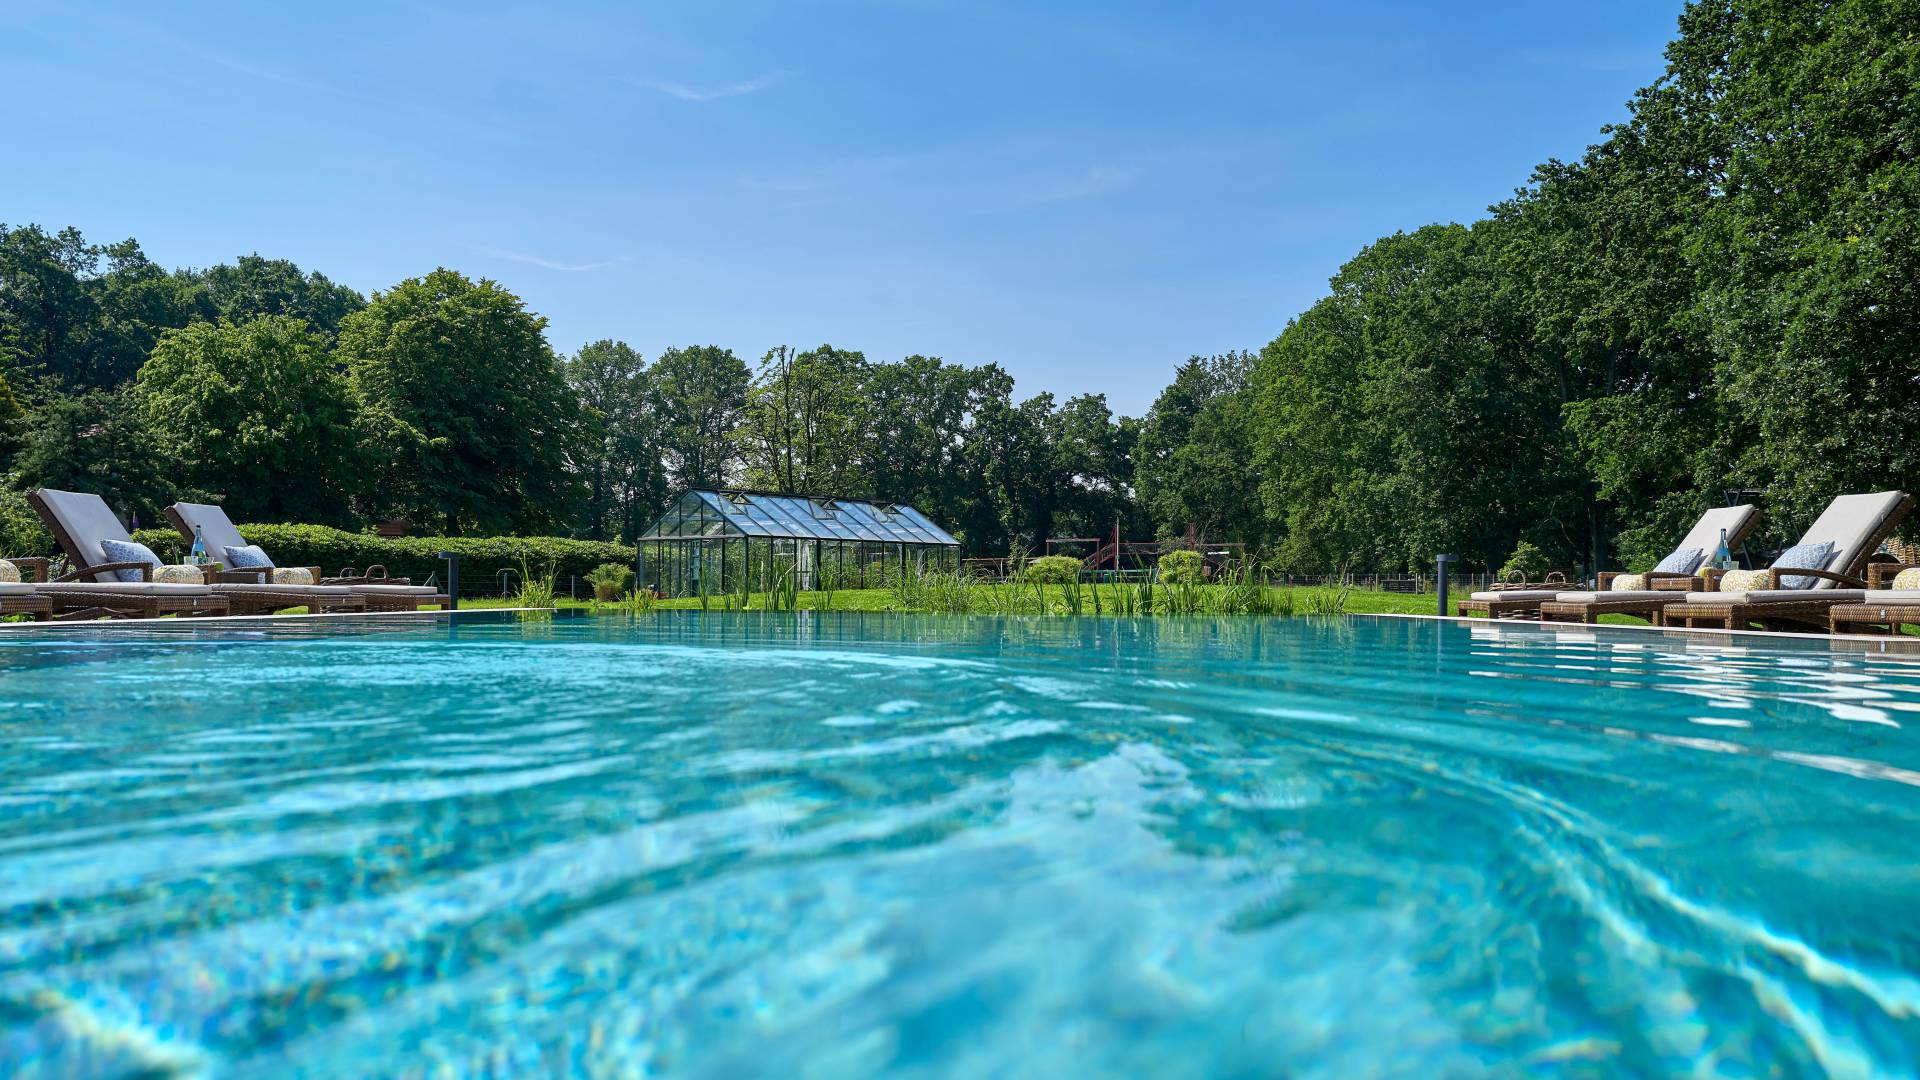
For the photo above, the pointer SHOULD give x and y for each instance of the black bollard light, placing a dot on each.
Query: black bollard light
(453, 579)
(1441, 562)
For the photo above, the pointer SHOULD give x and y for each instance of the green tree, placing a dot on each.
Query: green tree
(1195, 461)
(97, 441)
(463, 405)
(258, 414)
(620, 461)
(700, 394)
(800, 429)
(253, 286)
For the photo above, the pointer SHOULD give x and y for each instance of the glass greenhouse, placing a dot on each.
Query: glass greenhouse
(724, 539)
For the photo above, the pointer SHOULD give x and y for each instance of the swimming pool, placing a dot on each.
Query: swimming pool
(827, 845)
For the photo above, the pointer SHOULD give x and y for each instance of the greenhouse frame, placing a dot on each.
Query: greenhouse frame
(720, 540)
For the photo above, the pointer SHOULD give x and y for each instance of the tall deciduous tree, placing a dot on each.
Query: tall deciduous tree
(258, 415)
(620, 460)
(253, 286)
(463, 406)
(800, 430)
(701, 392)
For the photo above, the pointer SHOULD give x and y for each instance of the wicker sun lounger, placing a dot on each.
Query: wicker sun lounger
(80, 521)
(1884, 611)
(1856, 525)
(376, 593)
(72, 598)
(1565, 605)
(23, 597)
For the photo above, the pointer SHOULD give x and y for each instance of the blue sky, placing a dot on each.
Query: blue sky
(1085, 193)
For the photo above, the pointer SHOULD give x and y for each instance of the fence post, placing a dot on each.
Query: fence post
(1441, 562)
(453, 579)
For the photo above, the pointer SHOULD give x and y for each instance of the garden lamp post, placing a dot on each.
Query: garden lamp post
(1441, 563)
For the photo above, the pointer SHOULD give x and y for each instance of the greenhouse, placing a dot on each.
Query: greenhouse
(724, 540)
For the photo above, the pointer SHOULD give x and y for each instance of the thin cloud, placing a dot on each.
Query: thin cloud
(554, 264)
(708, 93)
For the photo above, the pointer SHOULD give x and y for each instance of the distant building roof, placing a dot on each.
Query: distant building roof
(720, 512)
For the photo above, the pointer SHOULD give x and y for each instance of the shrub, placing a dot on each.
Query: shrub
(1183, 568)
(481, 557)
(20, 530)
(1529, 561)
(1052, 570)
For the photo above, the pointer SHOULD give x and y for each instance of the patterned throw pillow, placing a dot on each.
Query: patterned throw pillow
(128, 551)
(1803, 557)
(248, 557)
(1630, 582)
(9, 573)
(1907, 579)
(1743, 580)
(291, 575)
(179, 575)
(1683, 561)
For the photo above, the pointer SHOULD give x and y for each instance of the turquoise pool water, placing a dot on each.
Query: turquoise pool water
(847, 845)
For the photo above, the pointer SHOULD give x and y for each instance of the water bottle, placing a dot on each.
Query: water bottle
(198, 556)
(1722, 558)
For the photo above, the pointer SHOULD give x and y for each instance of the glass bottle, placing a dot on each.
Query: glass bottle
(1722, 558)
(198, 556)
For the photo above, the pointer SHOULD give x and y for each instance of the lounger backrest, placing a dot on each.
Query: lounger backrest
(214, 525)
(79, 520)
(1856, 525)
(1737, 520)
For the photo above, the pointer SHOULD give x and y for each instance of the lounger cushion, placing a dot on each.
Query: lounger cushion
(180, 575)
(247, 557)
(1907, 579)
(136, 588)
(1894, 596)
(1613, 596)
(1735, 521)
(294, 591)
(1853, 524)
(1806, 556)
(1631, 582)
(397, 590)
(1518, 594)
(15, 588)
(1743, 580)
(1776, 596)
(87, 521)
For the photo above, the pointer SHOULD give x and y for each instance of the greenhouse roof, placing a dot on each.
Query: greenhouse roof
(730, 512)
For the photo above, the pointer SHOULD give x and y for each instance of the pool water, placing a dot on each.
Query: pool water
(847, 845)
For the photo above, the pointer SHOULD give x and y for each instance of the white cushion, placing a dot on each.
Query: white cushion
(87, 521)
(1610, 596)
(215, 527)
(15, 588)
(1849, 523)
(1705, 533)
(161, 588)
(1776, 596)
(1517, 594)
(1893, 596)
(290, 590)
(396, 590)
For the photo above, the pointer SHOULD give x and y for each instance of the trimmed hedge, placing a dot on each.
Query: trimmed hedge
(481, 557)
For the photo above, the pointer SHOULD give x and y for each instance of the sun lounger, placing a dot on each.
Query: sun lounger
(80, 522)
(1584, 606)
(1855, 525)
(220, 536)
(23, 597)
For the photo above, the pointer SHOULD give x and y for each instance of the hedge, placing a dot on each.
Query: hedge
(481, 557)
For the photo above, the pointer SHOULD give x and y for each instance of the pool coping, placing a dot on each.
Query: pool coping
(1903, 640)
(222, 620)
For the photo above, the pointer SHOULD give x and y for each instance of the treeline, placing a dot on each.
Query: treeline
(289, 397)
(1723, 293)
